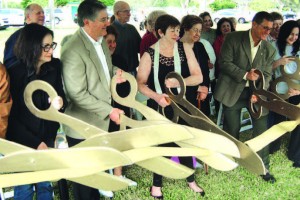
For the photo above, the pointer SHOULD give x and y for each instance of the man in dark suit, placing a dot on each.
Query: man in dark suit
(87, 72)
(243, 52)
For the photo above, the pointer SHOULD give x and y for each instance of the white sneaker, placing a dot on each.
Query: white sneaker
(106, 193)
(131, 182)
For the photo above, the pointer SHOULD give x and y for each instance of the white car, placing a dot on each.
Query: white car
(58, 15)
(3, 23)
(15, 17)
(240, 15)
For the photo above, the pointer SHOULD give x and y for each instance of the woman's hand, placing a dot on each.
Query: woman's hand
(202, 92)
(293, 92)
(42, 146)
(57, 102)
(172, 83)
(162, 100)
(120, 79)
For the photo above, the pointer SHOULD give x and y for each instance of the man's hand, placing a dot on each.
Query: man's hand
(120, 79)
(252, 76)
(293, 92)
(115, 115)
(253, 99)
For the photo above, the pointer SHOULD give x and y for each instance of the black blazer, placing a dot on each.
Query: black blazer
(24, 127)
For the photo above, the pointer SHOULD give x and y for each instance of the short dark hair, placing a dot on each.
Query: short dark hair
(284, 33)
(260, 16)
(89, 9)
(219, 25)
(204, 14)
(188, 22)
(276, 16)
(111, 30)
(28, 47)
(163, 22)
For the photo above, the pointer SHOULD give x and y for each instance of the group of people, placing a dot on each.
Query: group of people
(206, 58)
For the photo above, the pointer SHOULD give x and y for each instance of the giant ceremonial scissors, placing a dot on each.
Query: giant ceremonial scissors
(101, 150)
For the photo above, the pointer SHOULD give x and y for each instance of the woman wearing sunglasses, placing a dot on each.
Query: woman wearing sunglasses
(34, 49)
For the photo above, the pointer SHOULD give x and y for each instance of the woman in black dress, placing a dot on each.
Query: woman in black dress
(167, 55)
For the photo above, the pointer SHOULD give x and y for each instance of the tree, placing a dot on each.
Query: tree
(259, 5)
(221, 4)
(108, 2)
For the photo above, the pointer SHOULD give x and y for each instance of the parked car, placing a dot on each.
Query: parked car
(289, 15)
(3, 23)
(241, 16)
(59, 15)
(15, 17)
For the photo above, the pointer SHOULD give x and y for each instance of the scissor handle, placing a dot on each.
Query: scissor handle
(296, 74)
(39, 85)
(82, 128)
(133, 88)
(130, 101)
(182, 85)
(256, 86)
(290, 83)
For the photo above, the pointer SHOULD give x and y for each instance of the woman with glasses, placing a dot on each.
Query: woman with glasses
(167, 55)
(34, 49)
(287, 45)
(191, 27)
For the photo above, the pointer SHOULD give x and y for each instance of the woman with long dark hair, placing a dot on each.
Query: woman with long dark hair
(34, 49)
(287, 45)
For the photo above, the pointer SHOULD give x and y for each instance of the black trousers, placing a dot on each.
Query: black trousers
(186, 161)
(82, 192)
(294, 145)
(232, 123)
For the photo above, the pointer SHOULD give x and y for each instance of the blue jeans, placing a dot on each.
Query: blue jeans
(43, 190)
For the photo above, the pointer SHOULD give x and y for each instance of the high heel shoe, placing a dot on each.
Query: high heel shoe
(155, 197)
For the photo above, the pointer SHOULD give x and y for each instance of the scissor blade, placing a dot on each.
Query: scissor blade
(7, 147)
(248, 157)
(166, 168)
(103, 181)
(139, 137)
(271, 134)
(215, 160)
(137, 155)
(14, 179)
(99, 158)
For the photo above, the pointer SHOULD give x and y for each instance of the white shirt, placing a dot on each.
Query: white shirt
(101, 56)
(253, 53)
(212, 56)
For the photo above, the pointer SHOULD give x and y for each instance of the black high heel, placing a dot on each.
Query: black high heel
(156, 197)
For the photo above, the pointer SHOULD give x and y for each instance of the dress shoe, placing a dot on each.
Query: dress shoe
(268, 177)
(155, 197)
(296, 165)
